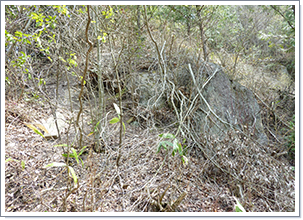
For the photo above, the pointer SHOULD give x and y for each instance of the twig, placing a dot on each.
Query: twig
(273, 135)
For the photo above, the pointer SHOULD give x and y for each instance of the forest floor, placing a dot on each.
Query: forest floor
(143, 181)
(32, 188)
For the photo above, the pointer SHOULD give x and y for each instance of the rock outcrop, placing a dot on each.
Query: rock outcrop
(221, 104)
(233, 104)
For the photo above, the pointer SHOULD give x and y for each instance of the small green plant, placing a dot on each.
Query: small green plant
(70, 170)
(174, 144)
(74, 153)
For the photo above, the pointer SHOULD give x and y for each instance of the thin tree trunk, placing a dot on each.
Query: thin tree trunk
(84, 76)
(101, 90)
(200, 24)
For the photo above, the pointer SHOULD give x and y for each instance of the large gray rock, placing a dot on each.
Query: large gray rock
(225, 104)
(234, 104)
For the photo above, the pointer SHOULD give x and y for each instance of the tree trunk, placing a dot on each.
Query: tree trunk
(101, 108)
(200, 24)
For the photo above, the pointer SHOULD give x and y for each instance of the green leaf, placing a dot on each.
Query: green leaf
(75, 154)
(238, 206)
(114, 120)
(10, 159)
(124, 127)
(7, 80)
(82, 150)
(81, 162)
(184, 160)
(96, 126)
(167, 135)
(22, 164)
(70, 155)
(18, 34)
(238, 209)
(41, 81)
(159, 148)
(73, 62)
(55, 164)
(169, 143)
(180, 149)
(72, 172)
(164, 144)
